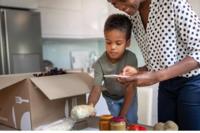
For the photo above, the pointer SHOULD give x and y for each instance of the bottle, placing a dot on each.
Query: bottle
(104, 122)
(118, 123)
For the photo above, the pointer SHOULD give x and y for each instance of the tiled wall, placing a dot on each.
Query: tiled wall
(58, 50)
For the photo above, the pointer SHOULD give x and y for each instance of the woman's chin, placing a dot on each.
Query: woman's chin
(131, 12)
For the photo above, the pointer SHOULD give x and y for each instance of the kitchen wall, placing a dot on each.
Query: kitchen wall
(58, 50)
(195, 6)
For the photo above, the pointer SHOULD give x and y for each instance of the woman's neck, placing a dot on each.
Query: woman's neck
(144, 4)
(144, 11)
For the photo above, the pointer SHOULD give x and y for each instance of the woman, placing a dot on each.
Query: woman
(168, 34)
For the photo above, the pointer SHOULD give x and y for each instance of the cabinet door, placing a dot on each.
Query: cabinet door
(61, 18)
(73, 18)
(95, 13)
(30, 4)
(61, 4)
(61, 23)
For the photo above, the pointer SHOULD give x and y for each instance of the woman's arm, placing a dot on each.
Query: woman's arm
(186, 65)
(150, 78)
(143, 68)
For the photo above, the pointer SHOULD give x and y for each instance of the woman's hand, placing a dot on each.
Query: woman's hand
(145, 78)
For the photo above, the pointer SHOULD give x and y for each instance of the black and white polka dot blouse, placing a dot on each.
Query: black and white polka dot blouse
(172, 33)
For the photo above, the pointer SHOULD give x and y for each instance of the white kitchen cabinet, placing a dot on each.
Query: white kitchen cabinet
(95, 13)
(61, 4)
(148, 104)
(73, 18)
(61, 23)
(30, 4)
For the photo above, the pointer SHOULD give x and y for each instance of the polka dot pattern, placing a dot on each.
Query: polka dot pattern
(172, 33)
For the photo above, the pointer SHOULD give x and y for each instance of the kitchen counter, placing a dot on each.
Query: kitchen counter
(91, 124)
(5, 128)
(87, 124)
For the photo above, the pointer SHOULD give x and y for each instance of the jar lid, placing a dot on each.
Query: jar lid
(118, 119)
(106, 117)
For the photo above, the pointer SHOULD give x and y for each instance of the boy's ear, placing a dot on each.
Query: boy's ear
(128, 43)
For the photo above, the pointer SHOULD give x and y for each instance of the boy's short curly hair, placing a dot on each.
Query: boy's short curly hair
(120, 22)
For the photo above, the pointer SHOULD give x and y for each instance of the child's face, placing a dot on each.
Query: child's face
(116, 44)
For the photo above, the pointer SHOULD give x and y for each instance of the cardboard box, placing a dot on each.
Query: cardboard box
(27, 102)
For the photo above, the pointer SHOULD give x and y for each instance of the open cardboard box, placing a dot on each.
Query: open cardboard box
(27, 102)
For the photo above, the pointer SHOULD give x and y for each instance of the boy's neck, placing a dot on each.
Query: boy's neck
(113, 61)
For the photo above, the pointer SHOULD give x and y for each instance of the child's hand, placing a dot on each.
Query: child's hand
(93, 114)
(129, 71)
(125, 119)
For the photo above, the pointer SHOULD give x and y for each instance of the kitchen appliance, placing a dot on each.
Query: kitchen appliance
(20, 41)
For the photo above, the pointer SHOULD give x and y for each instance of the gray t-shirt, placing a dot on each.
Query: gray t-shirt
(104, 66)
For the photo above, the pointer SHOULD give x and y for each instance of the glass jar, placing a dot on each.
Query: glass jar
(104, 122)
(118, 123)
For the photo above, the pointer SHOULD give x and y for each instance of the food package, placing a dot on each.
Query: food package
(60, 125)
(82, 111)
(169, 125)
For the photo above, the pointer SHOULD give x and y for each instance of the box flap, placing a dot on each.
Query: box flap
(8, 80)
(61, 86)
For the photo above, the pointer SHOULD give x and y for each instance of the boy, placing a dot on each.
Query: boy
(120, 101)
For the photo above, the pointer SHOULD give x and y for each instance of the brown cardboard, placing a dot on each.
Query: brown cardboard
(27, 102)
